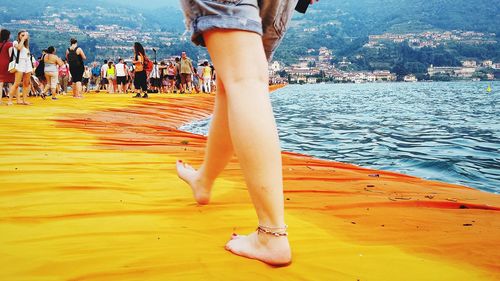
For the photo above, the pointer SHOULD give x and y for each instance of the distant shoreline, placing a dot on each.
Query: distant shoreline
(396, 82)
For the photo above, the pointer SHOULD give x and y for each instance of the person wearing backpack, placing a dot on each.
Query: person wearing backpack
(50, 63)
(5, 52)
(75, 57)
(40, 72)
(96, 76)
(140, 79)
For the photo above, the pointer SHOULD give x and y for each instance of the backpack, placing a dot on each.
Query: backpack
(148, 64)
(96, 71)
(40, 69)
(73, 57)
(13, 62)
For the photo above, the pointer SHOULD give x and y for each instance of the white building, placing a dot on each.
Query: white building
(410, 78)
(384, 75)
(487, 63)
(465, 72)
(469, 63)
(447, 70)
(276, 66)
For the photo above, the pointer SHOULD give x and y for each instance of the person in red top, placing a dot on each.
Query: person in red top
(5, 51)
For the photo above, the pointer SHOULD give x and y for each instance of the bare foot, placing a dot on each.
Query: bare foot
(269, 249)
(201, 190)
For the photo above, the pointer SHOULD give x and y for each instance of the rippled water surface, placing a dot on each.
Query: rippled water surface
(440, 131)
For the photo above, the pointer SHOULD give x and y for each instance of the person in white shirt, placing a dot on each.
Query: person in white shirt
(104, 75)
(87, 75)
(121, 76)
(24, 66)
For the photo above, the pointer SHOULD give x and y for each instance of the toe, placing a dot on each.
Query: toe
(237, 236)
(228, 246)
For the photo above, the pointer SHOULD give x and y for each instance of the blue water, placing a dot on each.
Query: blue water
(441, 131)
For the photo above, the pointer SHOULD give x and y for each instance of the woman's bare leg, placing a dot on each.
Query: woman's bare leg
(53, 89)
(1, 92)
(218, 153)
(254, 136)
(26, 87)
(15, 88)
(48, 78)
(78, 88)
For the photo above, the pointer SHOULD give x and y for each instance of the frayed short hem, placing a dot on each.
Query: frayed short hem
(206, 23)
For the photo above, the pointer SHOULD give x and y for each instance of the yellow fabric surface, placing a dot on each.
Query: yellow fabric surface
(89, 192)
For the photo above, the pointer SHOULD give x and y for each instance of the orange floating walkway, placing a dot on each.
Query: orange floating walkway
(88, 191)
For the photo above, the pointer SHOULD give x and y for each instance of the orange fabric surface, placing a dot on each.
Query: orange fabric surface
(89, 192)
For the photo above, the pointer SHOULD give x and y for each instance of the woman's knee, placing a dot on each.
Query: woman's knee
(243, 82)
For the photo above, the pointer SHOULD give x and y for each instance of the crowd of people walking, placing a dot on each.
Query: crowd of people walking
(21, 75)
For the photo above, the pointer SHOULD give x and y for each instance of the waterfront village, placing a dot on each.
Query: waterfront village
(318, 69)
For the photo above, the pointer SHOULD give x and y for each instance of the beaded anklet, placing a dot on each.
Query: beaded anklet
(274, 231)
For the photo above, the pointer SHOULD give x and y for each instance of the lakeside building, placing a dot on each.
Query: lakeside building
(442, 70)
(410, 78)
(469, 63)
(465, 72)
(384, 76)
(487, 64)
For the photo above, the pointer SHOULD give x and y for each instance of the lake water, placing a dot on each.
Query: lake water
(440, 131)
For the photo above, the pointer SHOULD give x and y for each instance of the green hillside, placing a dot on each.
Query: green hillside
(372, 16)
(340, 25)
(344, 27)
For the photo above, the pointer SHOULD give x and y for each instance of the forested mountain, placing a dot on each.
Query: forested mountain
(344, 27)
(340, 25)
(363, 17)
(347, 24)
(127, 13)
(355, 17)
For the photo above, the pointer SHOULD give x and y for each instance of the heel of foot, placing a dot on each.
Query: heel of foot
(275, 251)
(189, 175)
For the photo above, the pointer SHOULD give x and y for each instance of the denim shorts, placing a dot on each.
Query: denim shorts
(268, 18)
